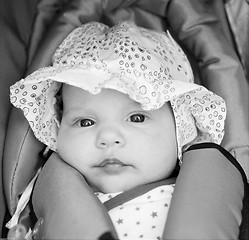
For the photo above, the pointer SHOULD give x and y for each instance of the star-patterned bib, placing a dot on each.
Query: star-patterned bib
(143, 217)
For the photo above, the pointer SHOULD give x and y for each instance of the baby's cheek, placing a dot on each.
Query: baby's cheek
(63, 150)
(73, 157)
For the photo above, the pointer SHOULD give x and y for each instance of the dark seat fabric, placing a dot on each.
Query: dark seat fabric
(237, 13)
(16, 19)
(31, 30)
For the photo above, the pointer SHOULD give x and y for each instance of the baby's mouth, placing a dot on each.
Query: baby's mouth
(111, 162)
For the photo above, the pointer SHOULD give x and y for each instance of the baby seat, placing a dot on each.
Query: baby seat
(210, 195)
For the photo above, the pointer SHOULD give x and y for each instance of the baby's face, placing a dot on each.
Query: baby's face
(113, 142)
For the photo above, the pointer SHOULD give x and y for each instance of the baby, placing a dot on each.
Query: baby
(119, 105)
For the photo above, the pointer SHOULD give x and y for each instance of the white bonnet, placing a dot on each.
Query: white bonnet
(148, 66)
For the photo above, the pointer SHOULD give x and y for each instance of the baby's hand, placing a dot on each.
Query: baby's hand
(18, 232)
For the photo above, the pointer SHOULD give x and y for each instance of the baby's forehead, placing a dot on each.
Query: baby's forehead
(80, 98)
(76, 94)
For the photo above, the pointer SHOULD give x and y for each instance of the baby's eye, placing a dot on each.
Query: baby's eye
(85, 123)
(138, 118)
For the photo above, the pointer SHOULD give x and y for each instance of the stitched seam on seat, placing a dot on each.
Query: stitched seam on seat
(15, 169)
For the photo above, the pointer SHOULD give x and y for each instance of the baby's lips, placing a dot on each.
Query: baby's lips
(111, 161)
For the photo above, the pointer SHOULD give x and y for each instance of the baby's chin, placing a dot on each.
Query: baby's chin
(114, 187)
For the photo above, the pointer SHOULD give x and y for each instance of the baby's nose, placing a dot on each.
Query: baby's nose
(110, 138)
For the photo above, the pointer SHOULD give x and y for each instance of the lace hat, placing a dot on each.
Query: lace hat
(147, 65)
